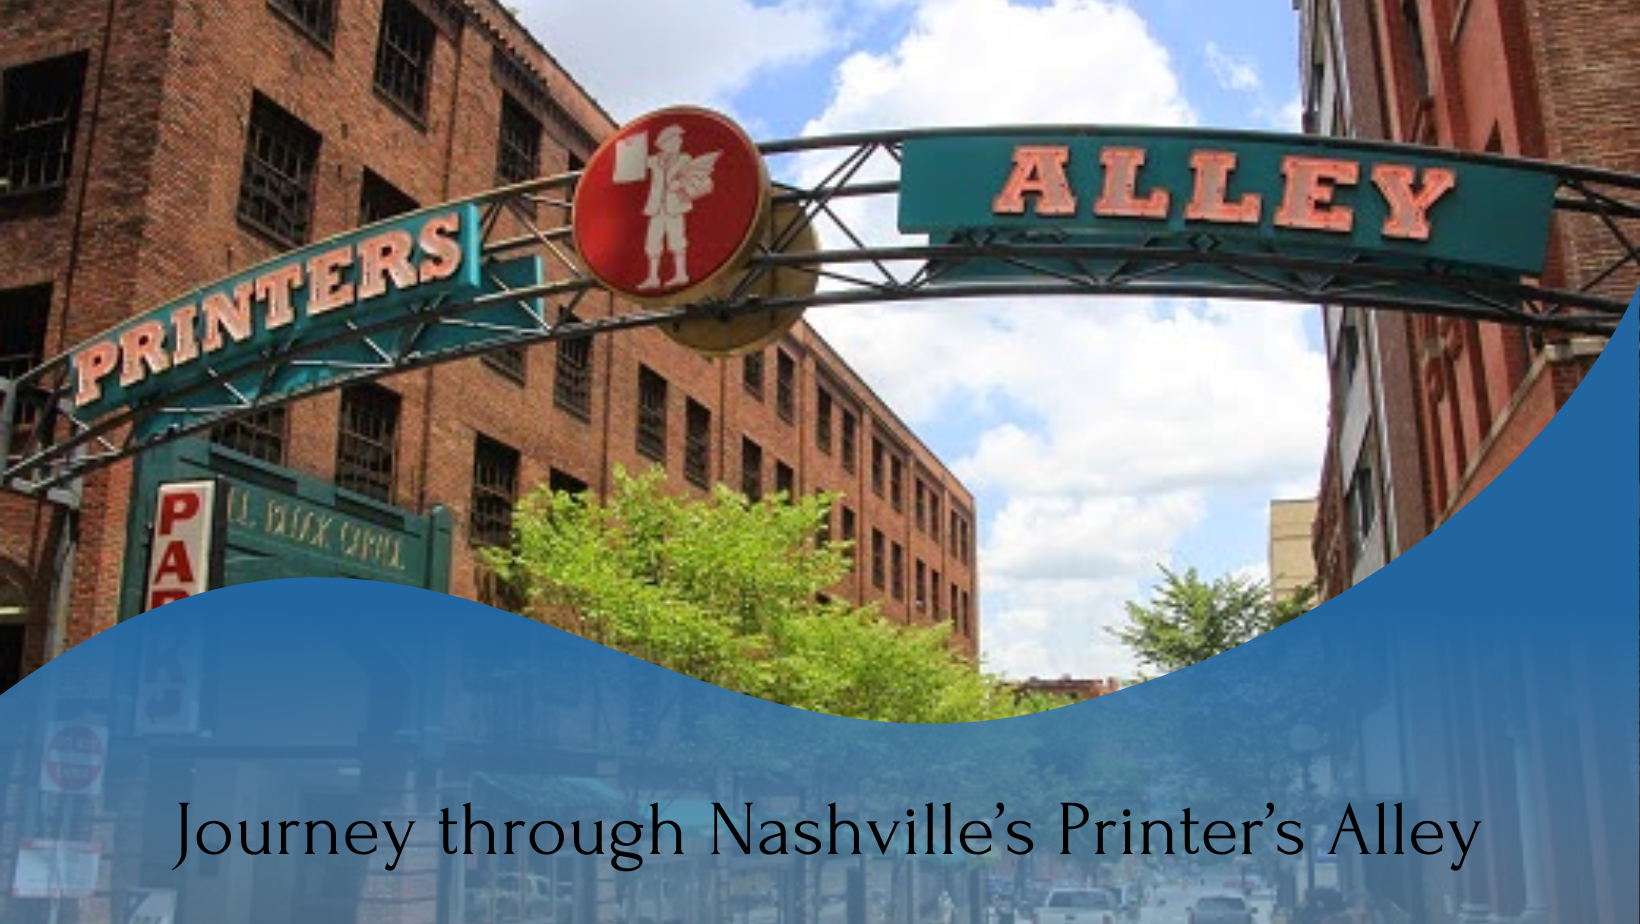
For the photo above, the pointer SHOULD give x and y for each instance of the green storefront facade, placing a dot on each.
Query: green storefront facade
(282, 524)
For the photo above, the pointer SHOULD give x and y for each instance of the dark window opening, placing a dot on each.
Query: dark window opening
(897, 571)
(1415, 42)
(751, 470)
(879, 465)
(877, 554)
(697, 444)
(39, 109)
(24, 315)
(560, 482)
(510, 362)
(276, 190)
(317, 18)
(785, 386)
(822, 421)
(785, 480)
(934, 514)
(850, 437)
(380, 200)
(368, 434)
(847, 525)
(259, 434)
(404, 56)
(751, 375)
(572, 378)
(896, 483)
(919, 596)
(495, 489)
(1349, 353)
(921, 506)
(1362, 506)
(518, 155)
(934, 590)
(651, 414)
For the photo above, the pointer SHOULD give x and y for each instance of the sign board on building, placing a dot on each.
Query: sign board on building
(55, 869)
(1299, 195)
(168, 679)
(185, 558)
(74, 757)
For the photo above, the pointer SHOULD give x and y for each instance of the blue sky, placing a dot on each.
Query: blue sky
(1102, 437)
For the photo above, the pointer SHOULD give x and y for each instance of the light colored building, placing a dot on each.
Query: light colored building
(1292, 565)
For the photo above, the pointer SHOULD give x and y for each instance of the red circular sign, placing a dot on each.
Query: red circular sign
(669, 203)
(74, 758)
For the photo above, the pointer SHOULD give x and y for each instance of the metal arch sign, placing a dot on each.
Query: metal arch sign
(1299, 195)
(1066, 210)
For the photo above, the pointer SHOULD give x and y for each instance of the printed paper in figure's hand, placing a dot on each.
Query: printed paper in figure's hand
(695, 175)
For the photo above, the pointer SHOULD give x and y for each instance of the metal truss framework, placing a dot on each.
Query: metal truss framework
(845, 188)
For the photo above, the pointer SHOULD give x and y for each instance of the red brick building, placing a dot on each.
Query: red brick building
(148, 149)
(1427, 411)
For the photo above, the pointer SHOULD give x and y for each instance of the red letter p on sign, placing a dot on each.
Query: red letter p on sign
(180, 562)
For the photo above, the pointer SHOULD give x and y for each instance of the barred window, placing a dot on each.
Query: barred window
(822, 421)
(39, 108)
(572, 378)
(934, 514)
(366, 441)
(751, 470)
(785, 386)
(518, 155)
(509, 361)
(785, 480)
(879, 465)
(404, 56)
(896, 482)
(878, 545)
(380, 200)
(934, 590)
(697, 444)
(922, 506)
(847, 525)
(315, 17)
(897, 572)
(24, 314)
(967, 626)
(919, 597)
(495, 488)
(850, 437)
(751, 374)
(276, 190)
(651, 414)
(260, 434)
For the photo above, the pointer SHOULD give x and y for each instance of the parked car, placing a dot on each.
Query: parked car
(1221, 909)
(1078, 906)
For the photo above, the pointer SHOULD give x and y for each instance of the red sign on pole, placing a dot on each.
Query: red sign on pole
(74, 758)
(670, 203)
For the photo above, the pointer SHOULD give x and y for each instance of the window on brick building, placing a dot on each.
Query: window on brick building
(879, 544)
(518, 155)
(39, 109)
(495, 489)
(404, 56)
(1361, 502)
(967, 626)
(560, 482)
(785, 386)
(822, 420)
(849, 439)
(879, 467)
(956, 610)
(921, 506)
(572, 376)
(751, 374)
(934, 590)
(1349, 350)
(368, 428)
(651, 414)
(934, 514)
(276, 188)
(697, 444)
(317, 18)
(24, 314)
(896, 482)
(785, 480)
(751, 470)
(847, 526)
(956, 527)
(896, 571)
(380, 200)
(919, 589)
(260, 434)
(510, 363)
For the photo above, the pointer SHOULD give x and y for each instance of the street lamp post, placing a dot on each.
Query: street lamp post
(1305, 741)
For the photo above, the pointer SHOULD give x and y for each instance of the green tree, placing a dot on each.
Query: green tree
(1190, 619)
(735, 593)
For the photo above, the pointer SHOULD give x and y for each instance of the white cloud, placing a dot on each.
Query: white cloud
(1231, 73)
(636, 55)
(1105, 426)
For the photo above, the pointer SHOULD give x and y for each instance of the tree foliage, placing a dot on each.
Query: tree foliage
(734, 593)
(1190, 619)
